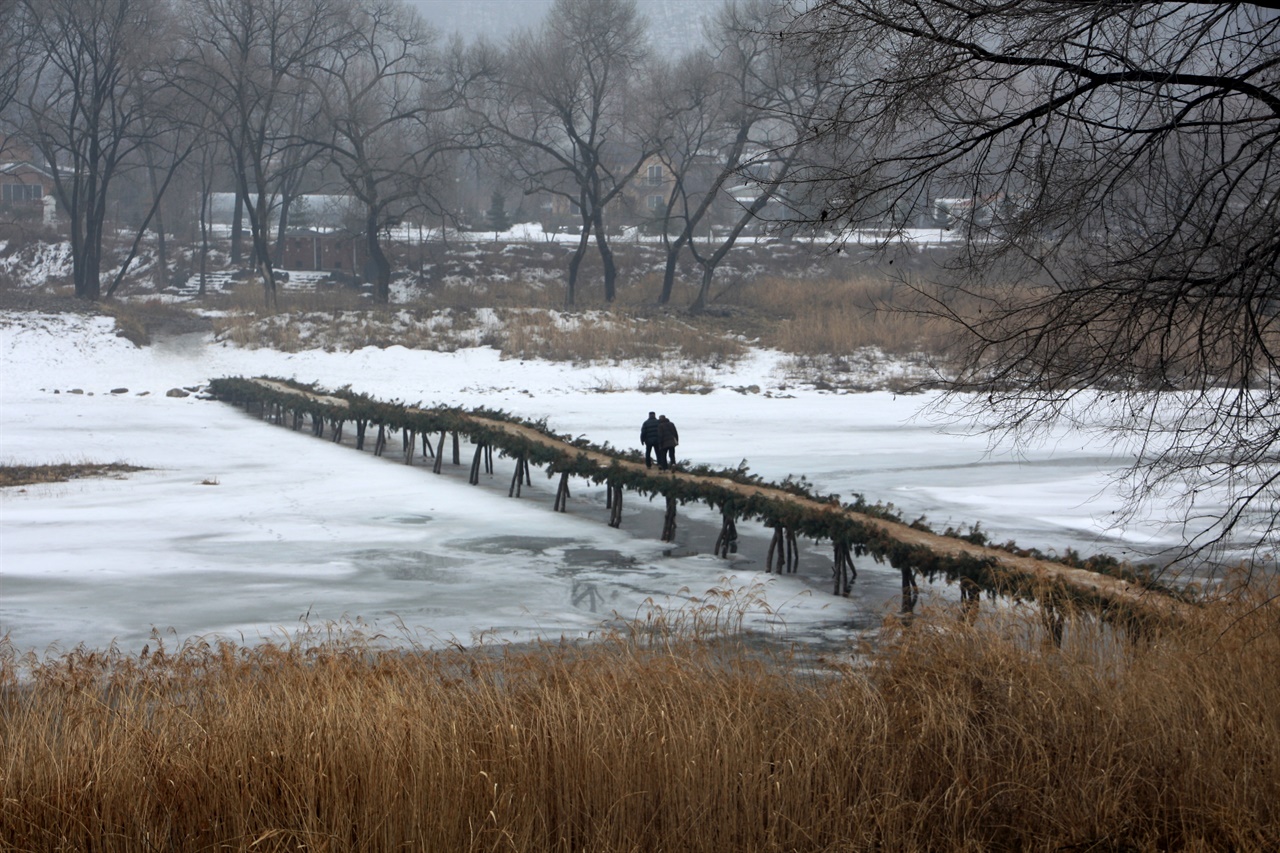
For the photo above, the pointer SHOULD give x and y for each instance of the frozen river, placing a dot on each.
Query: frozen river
(244, 530)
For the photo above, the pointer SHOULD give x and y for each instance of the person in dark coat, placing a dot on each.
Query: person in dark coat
(668, 440)
(649, 438)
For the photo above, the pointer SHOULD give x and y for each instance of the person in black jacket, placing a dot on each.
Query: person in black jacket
(668, 439)
(649, 438)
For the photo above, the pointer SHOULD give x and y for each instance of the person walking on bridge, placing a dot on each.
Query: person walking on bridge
(649, 438)
(668, 440)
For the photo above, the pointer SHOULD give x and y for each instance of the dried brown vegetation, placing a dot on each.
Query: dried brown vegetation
(29, 475)
(826, 320)
(949, 736)
(836, 317)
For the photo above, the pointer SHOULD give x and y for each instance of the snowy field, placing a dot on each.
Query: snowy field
(245, 530)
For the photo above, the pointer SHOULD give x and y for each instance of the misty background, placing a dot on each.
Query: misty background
(675, 26)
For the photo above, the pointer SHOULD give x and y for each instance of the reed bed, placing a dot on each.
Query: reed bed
(951, 735)
(615, 336)
(839, 316)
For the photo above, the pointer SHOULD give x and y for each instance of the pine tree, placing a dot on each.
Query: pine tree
(497, 215)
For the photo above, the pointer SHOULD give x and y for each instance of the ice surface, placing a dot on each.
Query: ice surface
(243, 529)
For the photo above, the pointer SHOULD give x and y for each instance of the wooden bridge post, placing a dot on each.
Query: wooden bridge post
(669, 521)
(410, 445)
(457, 450)
(615, 505)
(435, 469)
(784, 553)
(517, 479)
(843, 569)
(727, 541)
(910, 592)
(562, 494)
(970, 597)
(474, 477)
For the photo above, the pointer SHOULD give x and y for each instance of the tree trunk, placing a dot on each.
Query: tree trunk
(286, 201)
(669, 273)
(606, 257)
(204, 239)
(381, 265)
(237, 232)
(575, 262)
(162, 254)
(704, 289)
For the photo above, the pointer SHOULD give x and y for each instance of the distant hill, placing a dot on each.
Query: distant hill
(675, 26)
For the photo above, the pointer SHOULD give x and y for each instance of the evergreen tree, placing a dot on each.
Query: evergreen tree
(497, 215)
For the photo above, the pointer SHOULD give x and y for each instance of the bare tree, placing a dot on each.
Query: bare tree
(774, 91)
(560, 111)
(85, 102)
(15, 46)
(254, 64)
(1117, 168)
(718, 108)
(389, 99)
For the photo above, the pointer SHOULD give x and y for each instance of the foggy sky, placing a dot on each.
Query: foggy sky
(674, 25)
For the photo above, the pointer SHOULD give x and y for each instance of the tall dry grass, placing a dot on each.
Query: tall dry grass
(840, 316)
(614, 336)
(951, 736)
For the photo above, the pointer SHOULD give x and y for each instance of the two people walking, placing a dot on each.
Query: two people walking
(660, 434)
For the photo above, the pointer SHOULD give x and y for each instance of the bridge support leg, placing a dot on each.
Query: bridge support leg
(970, 596)
(669, 521)
(435, 469)
(474, 478)
(562, 494)
(910, 592)
(784, 553)
(517, 479)
(615, 505)
(727, 541)
(843, 569)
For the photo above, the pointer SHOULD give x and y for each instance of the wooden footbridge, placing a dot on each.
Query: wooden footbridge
(791, 510)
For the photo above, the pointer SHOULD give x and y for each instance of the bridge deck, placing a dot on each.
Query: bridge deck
(902, 544)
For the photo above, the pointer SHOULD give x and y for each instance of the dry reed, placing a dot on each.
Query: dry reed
(841, 316)
(952, 736)
(60, 472)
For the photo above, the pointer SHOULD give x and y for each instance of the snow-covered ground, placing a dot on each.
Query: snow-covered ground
(243, 529)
